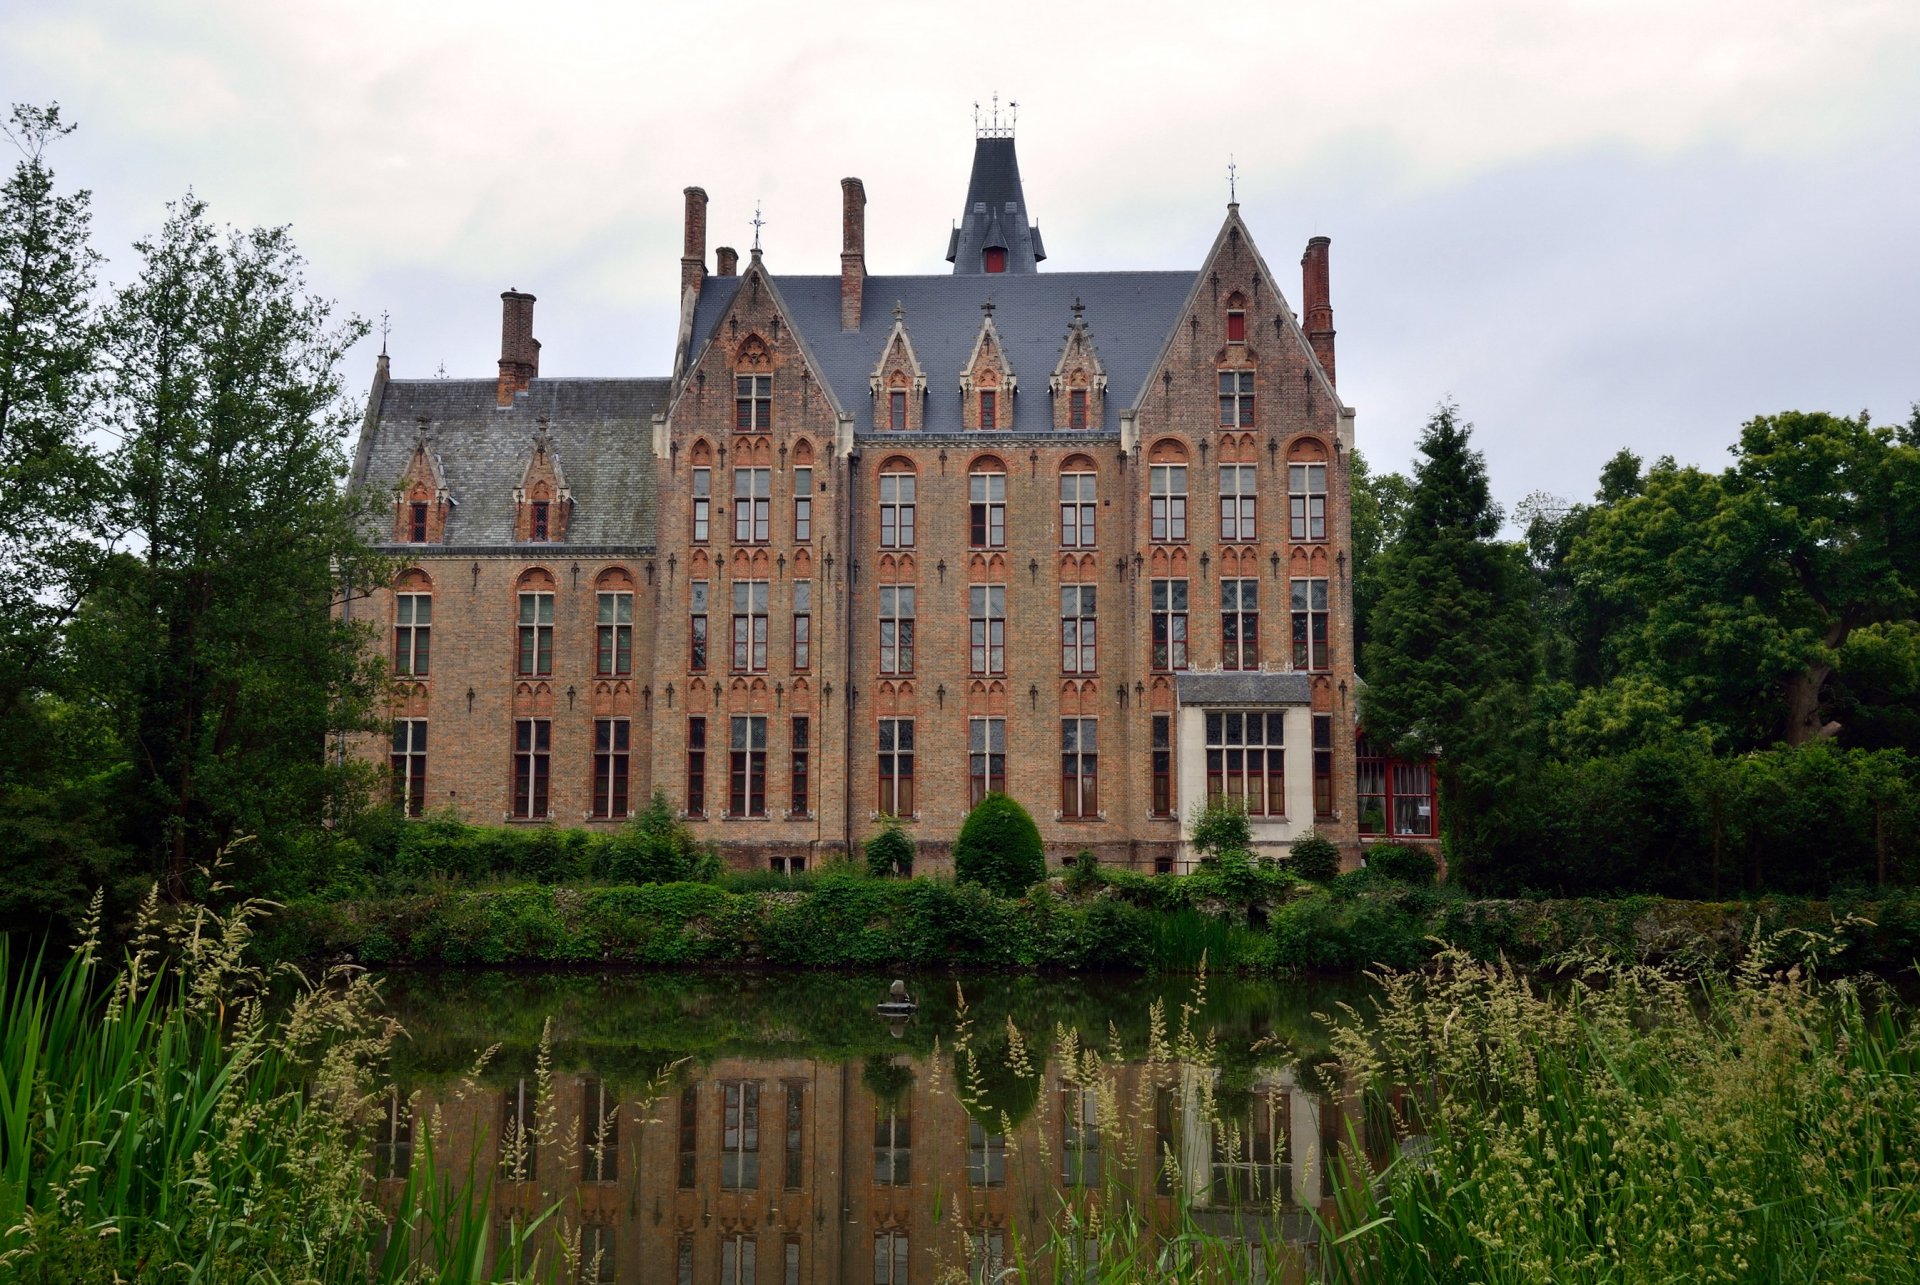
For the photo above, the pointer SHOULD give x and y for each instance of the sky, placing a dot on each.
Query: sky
(1590, 223)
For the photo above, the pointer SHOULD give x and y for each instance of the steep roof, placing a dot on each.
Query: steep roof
(601, 430)
(995, 214)
(1129, 316)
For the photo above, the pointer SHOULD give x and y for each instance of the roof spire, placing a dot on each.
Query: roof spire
(384, 328)
(758, 223)
(1233, 185)
(994, 233)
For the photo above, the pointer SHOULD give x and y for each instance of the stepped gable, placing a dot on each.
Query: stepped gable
(600, 429)
(1131, 314)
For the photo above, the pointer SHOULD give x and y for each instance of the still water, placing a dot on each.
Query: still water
(772, 1128)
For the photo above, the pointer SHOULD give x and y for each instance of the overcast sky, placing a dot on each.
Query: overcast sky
(1594, 224)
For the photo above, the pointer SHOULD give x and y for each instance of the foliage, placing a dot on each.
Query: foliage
(654, 847)
(1220, 825)
(1399, 862)
(890, 851)
(1083, 873)
(1313, 856)
(999, 847)
(1378, 509)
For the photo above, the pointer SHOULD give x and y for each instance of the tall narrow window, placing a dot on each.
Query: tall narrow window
(1079, 769)
(1310, 649)
(747, 768)
(393, 1145)
(1079, 630)
(802, 624)
(1167, 502)
(802, 505)
(1080, 1137)
(896, 510)
(737, 1265)
(792, 1272)
(987, 628)
(683, 1253)
(1076, 510)
(892, 1143)
(688, 1147)
(417, 522)
(890, 1247)
(519, 1132)
(986, 1156)
(538, 525)
(696, 766)
(597, 1263)
(987, 512)
(752, 505)
(1169, 604)
(1236, 399)
(532, 754)
(897, 410)
(986, 757)
(896, 768)
(896, 629)
(615, 656)
(799, 761)
(697, 629)
(1246, 760)
(989, 408)
(1236, 326)
(750, 626)
(987, 1256)
(752, 402)
(1240, 624)
(536, 635)
(739, 1135)
(1323, 767)
(599, 1133)
(702, 504)
(1237, 501)
(1307, 501)
(794, 1177)
(1077, 408)
(1250, 1155)
(412, 630)
(610, 757)
(1160, 801)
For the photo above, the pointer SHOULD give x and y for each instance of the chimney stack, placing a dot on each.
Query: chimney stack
(853, 251)
(1319, 306)
(519, 350)
(693, 256)
(726, 262)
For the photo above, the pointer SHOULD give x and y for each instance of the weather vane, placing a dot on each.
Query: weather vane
(992, 128)
(383, 332)
(1233, 184)
(758, 223)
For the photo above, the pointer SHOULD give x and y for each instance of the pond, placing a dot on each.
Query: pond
(773, 1128)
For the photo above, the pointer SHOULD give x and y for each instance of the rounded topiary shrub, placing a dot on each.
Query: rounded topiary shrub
(999, 847)
(1314, 857)
(1403, 864)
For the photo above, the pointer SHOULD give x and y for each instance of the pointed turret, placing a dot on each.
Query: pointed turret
(993, 234)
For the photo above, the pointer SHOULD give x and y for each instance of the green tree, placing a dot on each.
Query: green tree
(889, 851)
(217, 642)
(1378, 508)
(1220, 825)
(999, 847)
(1454, 645)
(656, 846)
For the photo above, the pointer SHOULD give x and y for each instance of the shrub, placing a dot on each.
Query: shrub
(1221, 826)
(656, 847)
(999, 847)
(1399, 862)
(890, 851)
(1314, 857)
(1083, 872)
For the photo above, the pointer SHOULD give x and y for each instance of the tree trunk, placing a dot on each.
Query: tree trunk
(1803, 724)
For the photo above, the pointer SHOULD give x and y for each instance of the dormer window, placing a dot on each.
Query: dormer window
(539, 527)
(1237, 326)
(989, 417)
(417, 522)
(994, 260)
(1077, 408)
(897, 410)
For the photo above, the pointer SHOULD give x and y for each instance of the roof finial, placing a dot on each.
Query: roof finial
(384, 328)
(899, 311)
(1077, 307)
(758, 223)
(987, 307)
(1233, 184)
(990, 126)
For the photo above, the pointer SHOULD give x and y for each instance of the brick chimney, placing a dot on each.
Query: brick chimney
(1319, 306)
(726, 262)
(853, 251)
(519, 350)
(693, 256)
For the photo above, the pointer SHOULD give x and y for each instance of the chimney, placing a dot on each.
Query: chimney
(693, 256)
(1319, 306)
(519, 350)
(853, 251)
(726, 262)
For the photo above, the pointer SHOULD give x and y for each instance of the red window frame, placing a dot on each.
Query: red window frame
(1390, 782)
(994, 259)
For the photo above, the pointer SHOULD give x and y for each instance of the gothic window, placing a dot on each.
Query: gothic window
(1238, 502)
(702, 504)
(417, 522)
(750, 626)
(697, 629)
(1077, 408)
(611, 740)
(1079, 629)
(896, 767)
(896, 629)
(1167, 494)
(409, 763)
(897, 410)
(986, 757)
(412, 628)
(696, 780)
(1079, 769)
(802, 624)
(802, 504)
(613, 632)
(897, 505)
(987, 628)
(987, 511)
(1236, 399)
(1310, 615)
(799, 803)
(989, 412)
(1077, 504)
(1236, 319)
(534, 654)
(752, 505)
(752, 403)
(532, 756)
(1307, 492)
(1169, 605)
(747, 769)
(1160, 801)
(1239, 624)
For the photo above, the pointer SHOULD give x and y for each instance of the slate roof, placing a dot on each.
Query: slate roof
(995, 214)
(1244, 689)
(1128, 314)
(601, 429)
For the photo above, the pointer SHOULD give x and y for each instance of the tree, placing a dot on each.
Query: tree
(656, 846)
(217, 643)
(1454, 645)
(999, 847)
(1379, 507)
(890, 851)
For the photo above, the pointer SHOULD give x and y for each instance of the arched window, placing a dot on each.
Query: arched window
(753, 387)
(613, 628)
(534, 631)
(1167, 493)
(1236, 318)
(1236, 397)
(802, 491)
(1307, 491)
(987, 503)
(1077, 503)
(412, 624)
(897, 491)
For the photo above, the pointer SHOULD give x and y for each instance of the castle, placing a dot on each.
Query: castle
(878, 545)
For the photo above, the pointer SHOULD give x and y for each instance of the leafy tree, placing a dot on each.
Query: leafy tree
(1378, 508)
(1453, 652)
(218, 643)
(999, 847)
(1314, 856)
(890, 851)
(656, 846)
(1220, 825)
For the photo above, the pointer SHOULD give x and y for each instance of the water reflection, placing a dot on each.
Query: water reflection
(773, 1129)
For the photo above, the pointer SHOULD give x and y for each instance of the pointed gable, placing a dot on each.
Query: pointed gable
(987, 381)
(542, 503)
(1079, 382)
(424, 501)
(898, 382)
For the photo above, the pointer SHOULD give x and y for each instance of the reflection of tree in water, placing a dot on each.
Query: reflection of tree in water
(887, 1079)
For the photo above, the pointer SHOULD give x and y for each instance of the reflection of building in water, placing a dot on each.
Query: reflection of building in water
(789, 1172)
